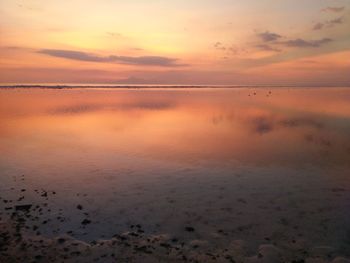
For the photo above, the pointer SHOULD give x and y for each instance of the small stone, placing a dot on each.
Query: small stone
(85, 222)
(189, 229)
(23, 207)
(61, 240)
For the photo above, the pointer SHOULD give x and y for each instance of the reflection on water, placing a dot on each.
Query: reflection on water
(268, 159)
(274, 126)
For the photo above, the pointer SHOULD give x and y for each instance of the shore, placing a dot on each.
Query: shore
(135, 246)
(34, 230)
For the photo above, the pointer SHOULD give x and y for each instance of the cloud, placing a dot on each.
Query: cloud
(318, 26)
(229, 50)
(29, 7)
(272, 39)
(218, 45)
(306, 43)
(330, 23)
(336, 21)
(266, 47)
(334, 9)
(235, 50)
(269, 36)
(114, 34)
(88, 57)
(137, 49)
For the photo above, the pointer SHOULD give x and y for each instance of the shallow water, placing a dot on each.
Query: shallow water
(262, 165)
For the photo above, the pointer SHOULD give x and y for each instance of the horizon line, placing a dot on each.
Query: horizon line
(106, 85)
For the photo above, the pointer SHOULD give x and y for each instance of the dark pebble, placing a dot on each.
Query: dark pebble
(23, 207)
(85, 222)
(189, 229)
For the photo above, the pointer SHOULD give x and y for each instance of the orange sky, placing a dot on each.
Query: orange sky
(175, 42)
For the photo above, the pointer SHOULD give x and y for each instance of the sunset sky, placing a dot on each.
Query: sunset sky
(175, 42)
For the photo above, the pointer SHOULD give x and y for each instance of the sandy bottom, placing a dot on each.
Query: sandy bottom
(135, 246)
(246, 215)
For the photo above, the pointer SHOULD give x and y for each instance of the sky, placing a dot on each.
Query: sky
(223, 42)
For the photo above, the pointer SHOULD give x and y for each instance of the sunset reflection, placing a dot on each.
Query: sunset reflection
(220, 126)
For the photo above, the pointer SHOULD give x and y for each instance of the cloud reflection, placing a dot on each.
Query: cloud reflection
(87, 108)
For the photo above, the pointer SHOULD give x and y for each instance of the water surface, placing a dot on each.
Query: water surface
(259, 165)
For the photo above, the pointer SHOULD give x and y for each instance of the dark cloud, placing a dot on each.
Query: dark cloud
(235, 50)
(334, 9)
(330, 23)
(336, 21)
(267, 48)
(269, 36)
(141, 60)
(318, 26)
(271, 40)
(229, 50)
(306, 43)
(218, 45)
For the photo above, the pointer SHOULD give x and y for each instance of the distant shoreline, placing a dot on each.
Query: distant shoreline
(149, 86)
